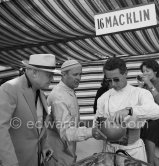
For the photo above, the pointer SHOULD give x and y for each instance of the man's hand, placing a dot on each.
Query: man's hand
(119, 116)
(97, 134)
(47, 154)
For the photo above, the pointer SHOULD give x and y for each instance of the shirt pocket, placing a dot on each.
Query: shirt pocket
(73, 111)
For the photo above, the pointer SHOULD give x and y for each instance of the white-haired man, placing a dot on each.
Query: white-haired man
(23, 110)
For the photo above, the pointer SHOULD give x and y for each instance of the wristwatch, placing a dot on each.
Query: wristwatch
(130, 110)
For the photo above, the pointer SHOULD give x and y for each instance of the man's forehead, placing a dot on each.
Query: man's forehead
(76, 69)
(115, 72)
(46, 72)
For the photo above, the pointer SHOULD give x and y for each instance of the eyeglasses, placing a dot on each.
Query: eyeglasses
(116, 80)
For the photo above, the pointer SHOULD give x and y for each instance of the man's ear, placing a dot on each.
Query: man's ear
(126, 73)
(62, 73)
(35, 72)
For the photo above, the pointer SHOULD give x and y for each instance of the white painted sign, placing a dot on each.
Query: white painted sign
(126, 19)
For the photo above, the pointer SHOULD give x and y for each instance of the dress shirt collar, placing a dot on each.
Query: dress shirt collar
(122, 90)
(28, 81)
(30, 86)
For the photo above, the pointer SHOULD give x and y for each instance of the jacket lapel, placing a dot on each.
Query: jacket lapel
(44, 102)
(45, 114)
(29, 96)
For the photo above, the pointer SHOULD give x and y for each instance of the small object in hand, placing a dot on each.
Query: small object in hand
(48, 153)
(100, 121)
(48, 157)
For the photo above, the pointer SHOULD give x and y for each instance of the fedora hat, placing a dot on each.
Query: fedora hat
(44, 62)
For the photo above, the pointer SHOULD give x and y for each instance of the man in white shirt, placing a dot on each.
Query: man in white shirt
(65, 114)
(124, 102)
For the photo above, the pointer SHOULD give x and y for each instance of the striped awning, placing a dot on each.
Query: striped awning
(66, 28)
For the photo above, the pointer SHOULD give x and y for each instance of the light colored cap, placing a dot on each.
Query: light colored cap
(69, 64)
(45, 62)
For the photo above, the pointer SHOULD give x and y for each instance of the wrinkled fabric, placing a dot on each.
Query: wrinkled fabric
(65, 114)
(141, 101)
(20, 141)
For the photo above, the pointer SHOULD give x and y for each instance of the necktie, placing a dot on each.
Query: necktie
(36, 98)
(39, 111)
(39, 129)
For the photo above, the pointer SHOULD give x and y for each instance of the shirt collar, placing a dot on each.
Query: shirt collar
(66, 87)
(121, 90)
(28, 81)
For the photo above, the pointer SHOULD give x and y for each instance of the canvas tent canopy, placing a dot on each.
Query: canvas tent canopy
(66, 28)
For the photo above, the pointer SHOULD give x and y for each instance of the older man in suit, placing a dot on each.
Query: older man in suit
(23, 113)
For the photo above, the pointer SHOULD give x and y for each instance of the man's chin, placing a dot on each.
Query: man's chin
(46, 86)
(76, 86)
(117, 89)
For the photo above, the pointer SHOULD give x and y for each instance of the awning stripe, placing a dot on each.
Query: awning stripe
(66, 29)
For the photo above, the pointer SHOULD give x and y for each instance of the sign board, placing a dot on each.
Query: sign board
(126, 19)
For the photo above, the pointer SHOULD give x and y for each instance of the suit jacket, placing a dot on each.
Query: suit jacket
(20, 140)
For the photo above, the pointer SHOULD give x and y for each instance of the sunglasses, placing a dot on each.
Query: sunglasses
(116, 80)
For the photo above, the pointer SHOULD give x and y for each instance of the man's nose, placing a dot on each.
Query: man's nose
(79, 77)
(113, 84)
